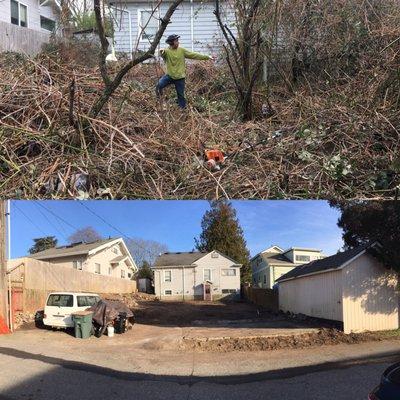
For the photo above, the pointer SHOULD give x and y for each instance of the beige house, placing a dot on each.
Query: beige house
(352, 287)
(272, 263)
(196, 275)
(108, 257)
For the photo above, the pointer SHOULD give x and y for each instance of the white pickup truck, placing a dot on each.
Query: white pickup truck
(60, 306)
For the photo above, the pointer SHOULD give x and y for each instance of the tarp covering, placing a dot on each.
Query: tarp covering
(106, 311)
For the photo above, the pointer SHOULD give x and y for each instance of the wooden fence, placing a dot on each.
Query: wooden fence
(36, 279)
(21, 40)
(266, 298)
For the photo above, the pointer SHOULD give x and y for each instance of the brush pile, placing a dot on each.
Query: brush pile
(326, 138)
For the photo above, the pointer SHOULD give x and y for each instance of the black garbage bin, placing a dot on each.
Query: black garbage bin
(120, 323)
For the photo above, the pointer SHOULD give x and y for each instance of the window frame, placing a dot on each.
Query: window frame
(78, 263)
(167, 290)
(170, 275)
(19, 3)
(141, 30)
(95, 268)
(204, 274)
(122, 274)
(48, 19)
(228, 270)
(302, 255)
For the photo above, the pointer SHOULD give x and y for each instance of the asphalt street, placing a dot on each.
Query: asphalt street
(34, 376)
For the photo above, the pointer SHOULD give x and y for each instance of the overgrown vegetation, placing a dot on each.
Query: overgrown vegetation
(333, 131)
(369, 221)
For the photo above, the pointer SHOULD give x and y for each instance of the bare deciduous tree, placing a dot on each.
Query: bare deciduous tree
(111, 83)
(243, 51)
(145, 250)
(86, 235)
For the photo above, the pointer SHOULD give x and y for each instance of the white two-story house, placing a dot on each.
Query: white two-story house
(26, 24)
(108, 257)
(270, 264)
(196, 275)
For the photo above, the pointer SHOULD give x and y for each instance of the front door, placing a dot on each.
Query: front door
(207, 292)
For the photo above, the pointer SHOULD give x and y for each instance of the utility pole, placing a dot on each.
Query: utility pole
(3, 265)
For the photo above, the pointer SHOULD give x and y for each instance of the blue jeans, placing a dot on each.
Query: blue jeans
(179, 87)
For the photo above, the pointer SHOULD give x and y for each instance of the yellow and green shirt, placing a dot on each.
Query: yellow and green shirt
(175, 61)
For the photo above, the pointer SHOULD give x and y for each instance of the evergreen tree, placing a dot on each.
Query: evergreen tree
(221, 231)
(43, 243)
(366, 221)
(145, 271)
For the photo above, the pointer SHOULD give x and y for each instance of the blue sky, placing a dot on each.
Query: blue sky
(285, 223)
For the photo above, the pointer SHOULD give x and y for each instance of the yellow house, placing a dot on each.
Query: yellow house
(273, 262)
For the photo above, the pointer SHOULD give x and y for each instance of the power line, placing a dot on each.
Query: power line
(112, 226)
(51, 223)
(29, 219)
(57, 216)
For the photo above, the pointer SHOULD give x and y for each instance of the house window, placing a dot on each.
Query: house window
(48, 24)
(77, 265)
(168, 292)
(207, 274)
(122, 273)
(129, 275)
(228, 272)
(265, 279)
(114, 250)
(214, 255)
(148, 24)
(97, 268)
(19, 13)
(167, 276)
(109, 270)
(302, 258)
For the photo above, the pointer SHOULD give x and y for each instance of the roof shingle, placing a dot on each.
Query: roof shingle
(328, 263)
(79, 248)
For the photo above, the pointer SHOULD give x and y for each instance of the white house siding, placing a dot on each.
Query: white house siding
(205, 29)
(190, 286)
(103, 258)
(24, 39)
(317, 295)
(181, 285)
(34, 11)
(370, 300)
(219, 282)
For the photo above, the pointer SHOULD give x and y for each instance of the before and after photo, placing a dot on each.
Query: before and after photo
(199, 199)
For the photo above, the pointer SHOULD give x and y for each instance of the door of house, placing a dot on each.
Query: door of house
(16, 301)
(207, 292)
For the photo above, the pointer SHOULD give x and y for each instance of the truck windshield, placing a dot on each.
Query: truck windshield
(60, 300)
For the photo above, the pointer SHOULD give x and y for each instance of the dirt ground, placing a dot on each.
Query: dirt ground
(199, 326)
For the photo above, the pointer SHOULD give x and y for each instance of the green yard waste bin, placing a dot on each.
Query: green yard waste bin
(83, 324)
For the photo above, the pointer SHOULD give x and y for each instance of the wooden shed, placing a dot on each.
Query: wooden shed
(352, 287)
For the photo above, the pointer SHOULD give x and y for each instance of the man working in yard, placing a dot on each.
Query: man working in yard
(174, 57)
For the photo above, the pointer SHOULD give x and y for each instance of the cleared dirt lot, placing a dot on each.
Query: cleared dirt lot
(226, 327)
